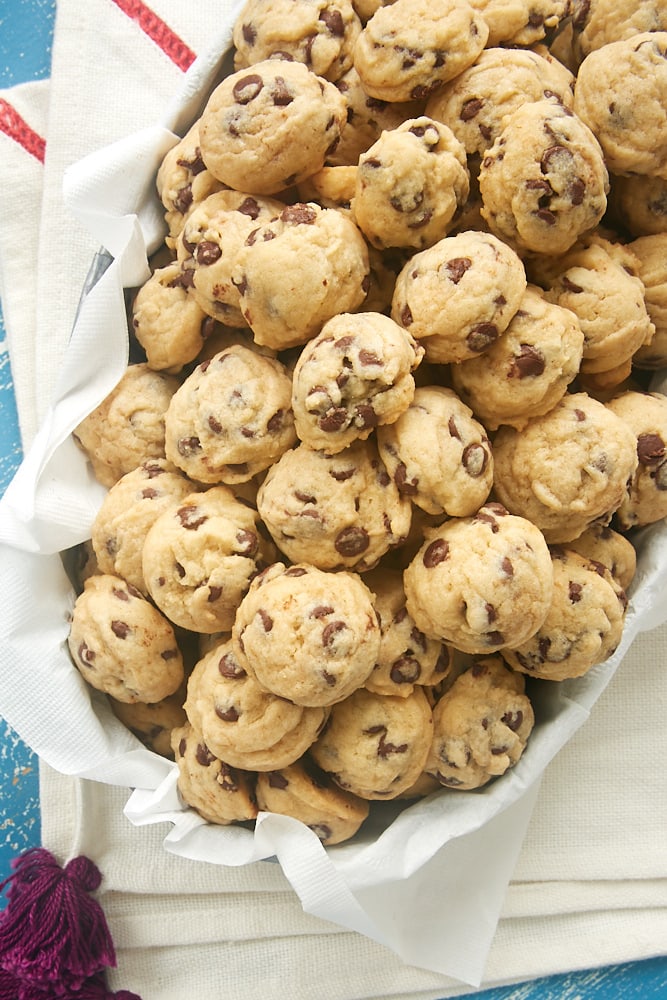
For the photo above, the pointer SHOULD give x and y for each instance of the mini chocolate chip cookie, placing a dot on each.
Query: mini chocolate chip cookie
(376, 745)
(410, 184)
(307, 635)
(475, 102)
(320, 34)
(598, 282)
(650, 252)
(621, 95)
(127, 512)
(152, 724)
(207, 247)
(458, 296)
(597, 22)
(481, 726)
(437, 453)
(354, 376)
(528, 370)
(526, 22)
(183, 182)
(544, 181)
(122, 644)
(304, 791)
(604, 545)
(231, 418)
(269, 126)
(639, 203)
(366, 118)
(199, 557)
(645, 500)
(220, 793)
(583, 626)
(295, 273)
(481, 582)
(566, 469)
(411, 47)
(407, 657)
(128, 426)
(241, 722)
(167, 322)
(340, 511)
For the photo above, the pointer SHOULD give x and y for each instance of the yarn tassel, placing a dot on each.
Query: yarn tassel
(54, 939)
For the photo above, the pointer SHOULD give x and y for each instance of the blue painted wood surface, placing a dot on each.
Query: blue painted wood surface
(26, 28)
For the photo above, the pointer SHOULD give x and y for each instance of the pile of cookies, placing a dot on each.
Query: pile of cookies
(375, 470)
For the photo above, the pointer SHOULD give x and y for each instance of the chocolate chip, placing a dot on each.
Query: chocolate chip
(330, 631)
(86, 654)
(295, 571)
(191, 517)
(227, 778)
(183, 199)
(529, 362)
(456, 267)
(385, 748)
(570, 286)
(546, 215)
(405, 670)
(333, 420)
(334, 22)
(574, 591)
(650, 448)
(435, 553)
(247, 541)
(276, 422)
(203, 755)
(507, 567)
(365, 416)
(249, 207)
(367, 357)
(188, 446)
(481, 337)
(230, 714)
(247, 88)
(352, 541)
(267, 620)
(405, 486)
(280, 93)
(474, 459)
(321, 611)
(470, 108)
(214, 594)
(228, 666)
(299, 214)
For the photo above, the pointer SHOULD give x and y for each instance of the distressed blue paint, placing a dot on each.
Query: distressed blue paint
(645, 980)
(26, 30)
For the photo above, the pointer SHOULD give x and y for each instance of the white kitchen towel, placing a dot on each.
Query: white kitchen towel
(590, 883)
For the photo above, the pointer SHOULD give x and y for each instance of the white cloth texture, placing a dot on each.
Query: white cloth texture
(590, 884)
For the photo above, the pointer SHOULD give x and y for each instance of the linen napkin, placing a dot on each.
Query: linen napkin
(583, 892)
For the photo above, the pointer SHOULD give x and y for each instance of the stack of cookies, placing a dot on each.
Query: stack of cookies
(376, 469)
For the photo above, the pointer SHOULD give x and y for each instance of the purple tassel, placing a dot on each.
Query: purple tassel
(54, 939)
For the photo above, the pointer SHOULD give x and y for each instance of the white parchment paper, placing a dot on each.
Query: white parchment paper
(427, 881)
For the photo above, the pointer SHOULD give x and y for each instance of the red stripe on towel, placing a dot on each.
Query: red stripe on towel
(159, 32)
(18, 129)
